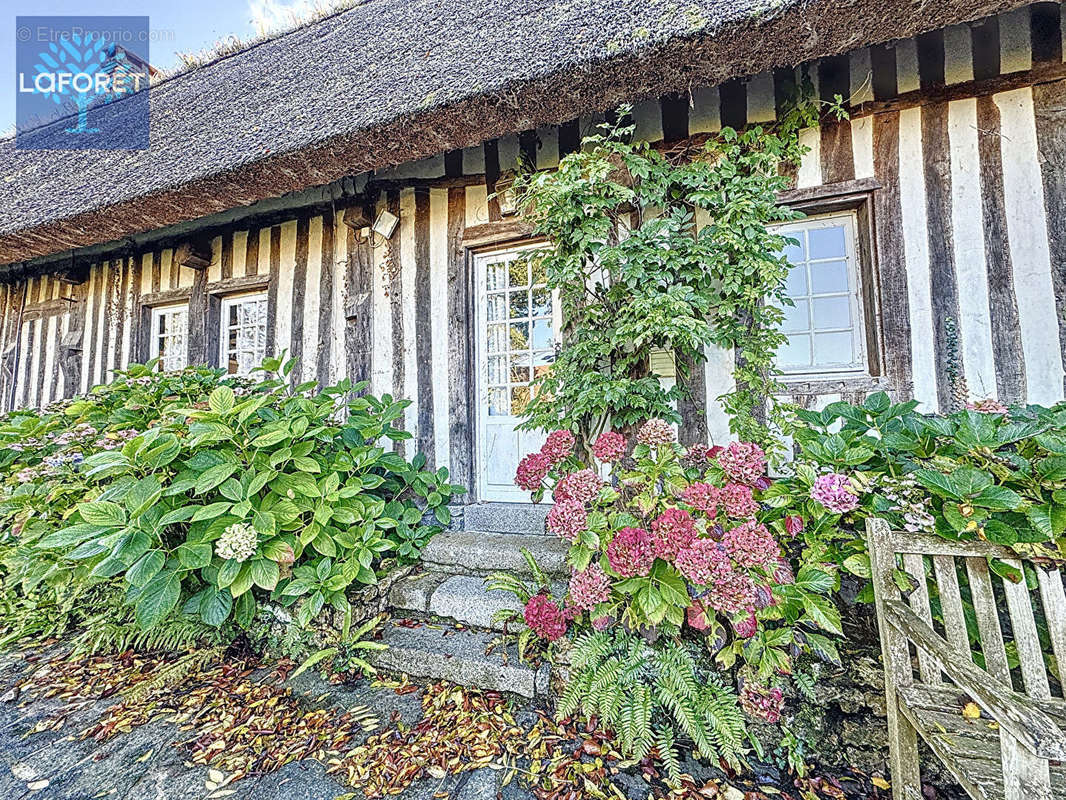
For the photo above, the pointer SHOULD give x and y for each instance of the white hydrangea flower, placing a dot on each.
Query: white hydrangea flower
(238, 541)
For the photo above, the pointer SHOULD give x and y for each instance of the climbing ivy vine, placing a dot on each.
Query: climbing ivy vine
(657, 251)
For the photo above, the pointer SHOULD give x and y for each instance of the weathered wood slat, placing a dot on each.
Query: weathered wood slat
(932, 545)
(984, 605)
(459, 403)
(902, 735)
(1018, 714)
(1054, 601)
(1026, 638)
(325, 300)
(424, 327)
(947, 581)
(913, 563)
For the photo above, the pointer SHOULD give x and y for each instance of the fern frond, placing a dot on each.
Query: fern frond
(173, 674)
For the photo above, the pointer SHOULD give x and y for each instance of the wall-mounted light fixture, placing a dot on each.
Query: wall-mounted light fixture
(385, 224)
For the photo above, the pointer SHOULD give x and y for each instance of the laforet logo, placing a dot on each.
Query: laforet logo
(82, 83)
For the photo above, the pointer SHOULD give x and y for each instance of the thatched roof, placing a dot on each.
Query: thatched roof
(392, 81)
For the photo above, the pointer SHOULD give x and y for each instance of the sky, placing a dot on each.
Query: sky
(176, 26)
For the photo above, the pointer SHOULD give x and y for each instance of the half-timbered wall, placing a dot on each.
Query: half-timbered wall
(954, 158)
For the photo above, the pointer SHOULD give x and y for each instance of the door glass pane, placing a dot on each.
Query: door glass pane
(519, 304)
(497, 341)
(496, 308)
(520, 368)
(542, 334)
(519, 335)
(796, 352)
(796, 282)
(498, 406)
(542, 303)
(497, 370)
(496, 276)
(518, 273)
(519, 400)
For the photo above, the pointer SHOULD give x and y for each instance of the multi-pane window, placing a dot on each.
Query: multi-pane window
(170, 331)
(825, 325)
(520, 331)
(243, 335)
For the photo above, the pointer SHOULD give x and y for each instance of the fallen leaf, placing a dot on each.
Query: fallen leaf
(971, 711)
(880, 782)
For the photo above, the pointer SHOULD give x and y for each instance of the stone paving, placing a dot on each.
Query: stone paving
(145, 764)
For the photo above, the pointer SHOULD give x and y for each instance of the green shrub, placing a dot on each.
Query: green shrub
(202, 494)
(995, 474)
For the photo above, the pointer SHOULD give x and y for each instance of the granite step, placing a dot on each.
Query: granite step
(526, 518)
(481, 552)
(462, 598)
(431, 652)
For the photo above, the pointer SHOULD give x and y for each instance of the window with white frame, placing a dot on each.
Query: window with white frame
(243, 335)
(824, 327)
(170, 332)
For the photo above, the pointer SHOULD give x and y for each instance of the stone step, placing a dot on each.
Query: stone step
(481, 552)
(437, 653)
(506, 517)
(463, 598)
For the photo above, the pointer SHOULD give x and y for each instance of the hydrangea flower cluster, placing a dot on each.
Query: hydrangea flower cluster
(655, 433)
(630, 552)
(743, 462)
(834, 492)
(751, 545)
(609, 446)
(702, 497)
(762, 703)
(545, 618)
(532, 470)
(239, 542)
(671, 532)
(567, 519)
(701, 560)
(589, 587)
(558, 445)
(115, 439)
(738, 501)
(583, 486)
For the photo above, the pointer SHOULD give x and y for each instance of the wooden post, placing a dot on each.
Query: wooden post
(902, 737)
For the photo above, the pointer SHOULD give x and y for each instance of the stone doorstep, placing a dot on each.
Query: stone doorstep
(463, 598)
(439, 653)
(521, 518)
(479, 553)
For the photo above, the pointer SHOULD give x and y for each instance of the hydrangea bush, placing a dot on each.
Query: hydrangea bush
(202, 494)
(690, 546)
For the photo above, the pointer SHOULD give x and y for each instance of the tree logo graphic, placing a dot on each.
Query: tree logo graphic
(84, 57)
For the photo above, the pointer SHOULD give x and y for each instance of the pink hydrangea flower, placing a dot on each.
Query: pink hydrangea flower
(602, 623)
(559, 445)
(609, 446)
(671, 532)
(702, 497)
(751, 545)
(583, 486)
(630, 552)
(545, 618)
(589, 587)
(701, 560)
(743, 462)
(532, 470)
(655, 433)
(738, 501)
(762, 703)
(834, 492)
(567, 519)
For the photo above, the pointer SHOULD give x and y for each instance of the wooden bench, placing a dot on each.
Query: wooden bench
(1015, 748)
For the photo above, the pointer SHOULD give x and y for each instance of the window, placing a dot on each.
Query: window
(170, 330)
(243, 335)
(825, 327)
